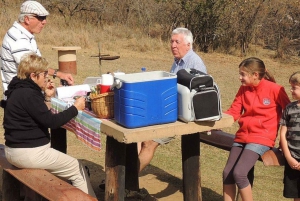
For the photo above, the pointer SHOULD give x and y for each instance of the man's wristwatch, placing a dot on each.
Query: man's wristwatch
(55, 73)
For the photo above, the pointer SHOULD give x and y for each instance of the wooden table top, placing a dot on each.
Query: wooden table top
(178, 128)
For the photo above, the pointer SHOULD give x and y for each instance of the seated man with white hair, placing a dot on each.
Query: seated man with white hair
(184, 57)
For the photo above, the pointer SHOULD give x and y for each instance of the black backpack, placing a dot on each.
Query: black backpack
(198, 96)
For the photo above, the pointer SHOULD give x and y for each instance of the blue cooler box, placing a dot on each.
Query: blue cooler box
(147, 98)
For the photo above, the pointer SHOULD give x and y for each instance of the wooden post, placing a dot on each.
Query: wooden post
(190, 148)
(66, 64)
(67, 59)
(132, 168)
(10, 187)
(59, 139)
(115, 170)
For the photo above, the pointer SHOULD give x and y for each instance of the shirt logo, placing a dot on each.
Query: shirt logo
(266, 101)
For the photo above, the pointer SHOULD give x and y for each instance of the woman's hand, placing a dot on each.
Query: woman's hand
(80, 103)
(49, 89)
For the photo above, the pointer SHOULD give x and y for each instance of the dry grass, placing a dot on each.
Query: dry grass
(163, 177)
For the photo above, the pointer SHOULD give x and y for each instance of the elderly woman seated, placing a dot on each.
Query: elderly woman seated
(27, 119)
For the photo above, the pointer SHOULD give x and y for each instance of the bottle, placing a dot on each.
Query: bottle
(143, 69)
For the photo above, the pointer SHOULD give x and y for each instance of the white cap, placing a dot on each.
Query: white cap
(33, 7)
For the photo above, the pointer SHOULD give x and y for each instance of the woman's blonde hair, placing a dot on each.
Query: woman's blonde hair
(31, 63)
(254, 64)
(295, 78)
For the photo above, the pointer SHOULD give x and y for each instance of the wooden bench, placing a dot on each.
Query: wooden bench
(44, 185)
(223, 140)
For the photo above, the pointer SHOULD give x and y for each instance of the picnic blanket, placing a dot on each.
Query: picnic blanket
(85, 125)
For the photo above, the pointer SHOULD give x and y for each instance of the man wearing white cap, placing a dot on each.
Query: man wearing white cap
(20, 40)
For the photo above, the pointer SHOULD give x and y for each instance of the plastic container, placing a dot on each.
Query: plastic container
(144, 99)
(107, 81)
(92, 81)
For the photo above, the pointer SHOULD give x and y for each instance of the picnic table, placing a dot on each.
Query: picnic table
(121, 157)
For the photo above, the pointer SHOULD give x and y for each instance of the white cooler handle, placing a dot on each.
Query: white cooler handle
(117, 83)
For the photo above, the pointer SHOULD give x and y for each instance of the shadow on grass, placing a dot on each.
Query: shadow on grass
(209, 195)
(175, 184)
(97, 174)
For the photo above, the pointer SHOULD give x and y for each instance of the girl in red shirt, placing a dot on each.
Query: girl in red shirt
(258, 107)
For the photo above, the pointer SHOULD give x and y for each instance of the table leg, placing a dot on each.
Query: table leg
(115, 160)
(190, 150)
(132, 168)
(59, 139)
(10, 187)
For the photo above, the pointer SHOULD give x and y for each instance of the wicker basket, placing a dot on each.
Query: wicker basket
(103, 105)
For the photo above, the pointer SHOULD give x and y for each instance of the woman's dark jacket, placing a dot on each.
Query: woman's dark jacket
(27, 117)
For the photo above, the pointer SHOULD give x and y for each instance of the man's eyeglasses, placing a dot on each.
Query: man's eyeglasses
(39, 18)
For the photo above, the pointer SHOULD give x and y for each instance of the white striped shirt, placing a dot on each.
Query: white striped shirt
(17, 41)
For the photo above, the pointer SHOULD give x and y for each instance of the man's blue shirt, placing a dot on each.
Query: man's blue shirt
(190, 60)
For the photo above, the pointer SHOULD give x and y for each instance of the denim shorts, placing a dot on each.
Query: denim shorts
(257, 148)
(162, 141)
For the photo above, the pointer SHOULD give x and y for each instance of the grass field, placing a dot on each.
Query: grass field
(163, 177)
